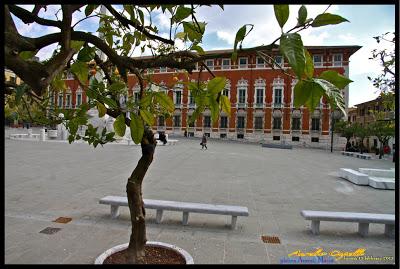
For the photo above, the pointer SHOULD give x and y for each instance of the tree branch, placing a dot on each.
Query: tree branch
(28, 17)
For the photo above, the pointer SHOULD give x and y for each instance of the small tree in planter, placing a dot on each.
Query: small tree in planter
(382, 129)
(347, 130)
(361, 132)
(122, 33)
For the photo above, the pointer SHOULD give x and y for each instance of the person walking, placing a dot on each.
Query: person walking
(203, 142)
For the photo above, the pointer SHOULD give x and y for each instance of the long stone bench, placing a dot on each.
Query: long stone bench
(160, 205)
(356, 154)
(378, 172)
(354, 176)
(363, 219)
(384, 183)
(22, 136)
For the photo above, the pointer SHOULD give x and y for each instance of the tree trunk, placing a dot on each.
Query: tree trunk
(137, 242)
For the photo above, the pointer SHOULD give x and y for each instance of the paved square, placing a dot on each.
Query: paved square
(45, 180)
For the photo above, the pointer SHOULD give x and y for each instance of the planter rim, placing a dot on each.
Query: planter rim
(101, 258)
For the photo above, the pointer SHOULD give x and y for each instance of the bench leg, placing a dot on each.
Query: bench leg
(389, 230)
(159, 215)
(114, 211)
(185, 218)
(363, 229)
(315, 227)
(233, 222)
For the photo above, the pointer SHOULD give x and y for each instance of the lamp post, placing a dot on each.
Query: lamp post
(335, 115)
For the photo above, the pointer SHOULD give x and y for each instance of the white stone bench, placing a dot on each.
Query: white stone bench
(378, 172)
(347, 153)
(363, 219)
(160, 205)
(362, 156)
(382, 183)
(15, 136)
(354, 176)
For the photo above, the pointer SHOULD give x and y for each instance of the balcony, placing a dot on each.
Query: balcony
(258, 105)
(192, 105)
(241, 105)
(277, 105)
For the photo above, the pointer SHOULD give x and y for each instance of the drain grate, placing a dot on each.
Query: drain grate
(270, 239)
(50, 230)
(62, 220)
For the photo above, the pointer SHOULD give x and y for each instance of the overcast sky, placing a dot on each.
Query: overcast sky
(366, 21)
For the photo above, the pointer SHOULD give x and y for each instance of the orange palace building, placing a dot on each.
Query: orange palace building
(261, 99)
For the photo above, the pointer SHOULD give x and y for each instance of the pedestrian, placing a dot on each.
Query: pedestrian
(185, 133)
(203, 142)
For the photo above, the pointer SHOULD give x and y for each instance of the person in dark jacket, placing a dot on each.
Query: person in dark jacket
(203, 142)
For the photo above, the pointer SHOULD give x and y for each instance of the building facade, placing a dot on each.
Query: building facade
(261, 98)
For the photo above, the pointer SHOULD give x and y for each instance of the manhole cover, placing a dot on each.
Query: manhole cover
(270, 239)
(49, 230)
(62, 220)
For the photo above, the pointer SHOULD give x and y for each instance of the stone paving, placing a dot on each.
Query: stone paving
(44, 181)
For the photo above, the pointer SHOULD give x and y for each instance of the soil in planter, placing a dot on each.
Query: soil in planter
(153, 255)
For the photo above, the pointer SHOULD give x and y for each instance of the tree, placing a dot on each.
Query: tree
(345, 129)
(382, 129)
(124, 31)
(361, 132)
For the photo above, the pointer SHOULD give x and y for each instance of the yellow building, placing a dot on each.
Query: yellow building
(11, 77)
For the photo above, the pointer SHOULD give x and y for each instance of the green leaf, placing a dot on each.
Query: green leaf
(164, 101)
(129, 9)
(20, 90)
(302, 15)
(81, 70)
(281, 14)
(102, 109)
(141, 15)
(198, 49)
(326, 19)
(332, 93)
(307, 93)
(119, 125)
(225, 104)
(71, 138)
(147, 116)
(181, 13)
(214, 108)
(89, 9)
(309, 67)
(26, 55)
(58, 83)
(110, 102)
(192, 30)
(76, 44)
(216, 85)
(292, 47)
(180, 35)
(335, 78)
(117, 87)
(137, 128)
(146, 100)
(86, 54)
(241, 33)
(196, 113)
(234, 56)
(109, 39)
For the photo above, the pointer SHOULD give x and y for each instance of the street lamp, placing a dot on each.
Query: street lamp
(335, 115)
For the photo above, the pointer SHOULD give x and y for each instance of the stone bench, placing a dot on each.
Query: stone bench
(382, 183)
(356, 154)
(378, 172)
(347, 153)
(159, 205)
(363, 219)
(13, 136)
(354, 176)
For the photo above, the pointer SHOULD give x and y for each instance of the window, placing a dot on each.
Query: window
(190, 134)
(295, 138)
(226, 63)
(207, 134)
(277, 124)
(163, 69)
(51, 98)
(240, 136)
(276, 137)
(223, 122)
(258, 123)
(60, 100)
(210, 64)
(161, 121)
(362, 112)
(278, 96)
(315, 139)
(78, 99)
(191, 99)
(243, 62)
(315, 124)
(177, 120)
(278, 60)
(68, 100)
(225, 92)
(240, 122)
(317, 60)
(337, 59)
(178, 97)
(136, 96)
(242, 96)
(260, 62)
(295, 123)
(150, 71)
(259, 96)
(222, 135)
(207, 121)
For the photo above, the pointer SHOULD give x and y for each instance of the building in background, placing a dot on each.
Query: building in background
(261, 98)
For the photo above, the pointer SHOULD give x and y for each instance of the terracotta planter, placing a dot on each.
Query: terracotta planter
(188, 258)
